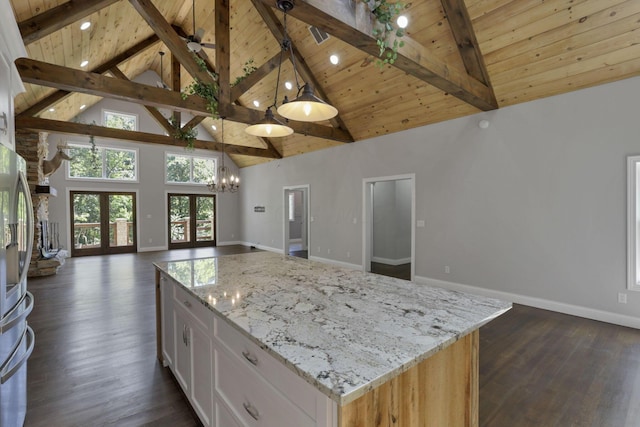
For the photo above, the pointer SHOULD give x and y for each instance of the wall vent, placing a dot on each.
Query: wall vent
(318, 35)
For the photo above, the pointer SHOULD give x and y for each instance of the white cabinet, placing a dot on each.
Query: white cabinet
(229, 380)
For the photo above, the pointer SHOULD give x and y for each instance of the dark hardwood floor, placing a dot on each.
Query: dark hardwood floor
(94, 362)
(402, 271)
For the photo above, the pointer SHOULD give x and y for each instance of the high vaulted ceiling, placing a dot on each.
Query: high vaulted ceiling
(460, 57)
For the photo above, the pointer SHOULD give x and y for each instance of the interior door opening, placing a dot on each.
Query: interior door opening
(296, 222)
(388, 222)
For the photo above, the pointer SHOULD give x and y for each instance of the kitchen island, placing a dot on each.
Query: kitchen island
(324, 346)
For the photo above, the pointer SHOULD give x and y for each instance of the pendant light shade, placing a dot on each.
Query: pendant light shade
(269, 127)
(307, 107)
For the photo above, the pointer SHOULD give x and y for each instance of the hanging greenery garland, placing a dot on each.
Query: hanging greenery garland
(385, 14)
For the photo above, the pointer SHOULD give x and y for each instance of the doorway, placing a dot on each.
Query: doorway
(103, 223)
(389, 226)
(192, 220)
(296, 221)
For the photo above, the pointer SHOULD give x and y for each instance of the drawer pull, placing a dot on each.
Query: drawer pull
(187, 303)
(251, 410)
(250, 358)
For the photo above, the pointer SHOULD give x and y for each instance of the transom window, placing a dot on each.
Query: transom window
(633, 226)
(117, 120)
(187, 169)
(102, 163)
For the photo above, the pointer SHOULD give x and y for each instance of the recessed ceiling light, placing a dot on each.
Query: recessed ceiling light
(84, 63)
(288, 85)
(256, 103)
(85, 25)
(334, 59)
(51, 110)
(402, 21)
(214, 127)
(83, 106)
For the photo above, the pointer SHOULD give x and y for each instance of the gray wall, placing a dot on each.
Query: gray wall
(531, 208)
(152, 199)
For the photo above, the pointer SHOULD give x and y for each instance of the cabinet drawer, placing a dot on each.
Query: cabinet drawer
(193, 306)
(252, 399)
(252, 357)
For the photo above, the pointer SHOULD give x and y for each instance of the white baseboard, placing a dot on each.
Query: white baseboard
(574, 310)
(152, 249)
(237, 242)
(263, 247)
(390, 261)
(336, 263)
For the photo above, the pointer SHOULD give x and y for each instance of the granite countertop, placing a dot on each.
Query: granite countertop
(342, 330)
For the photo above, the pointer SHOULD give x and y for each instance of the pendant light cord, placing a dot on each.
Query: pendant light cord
(287, 40)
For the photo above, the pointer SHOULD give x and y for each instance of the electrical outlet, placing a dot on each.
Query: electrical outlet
(328, 251)
(622, 298)
(447, 270)
(150, 240)
(348, 254)
(318, 248)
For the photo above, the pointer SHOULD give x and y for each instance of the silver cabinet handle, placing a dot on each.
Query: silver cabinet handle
(251, 410)
(24, 263)
(184, 334)
(187, 303)
(3, 117)
(7, 371)
(250, 358)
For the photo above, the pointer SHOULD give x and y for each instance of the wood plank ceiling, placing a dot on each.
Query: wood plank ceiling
(487, 54)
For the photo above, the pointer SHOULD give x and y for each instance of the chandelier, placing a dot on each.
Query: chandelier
(224, 180)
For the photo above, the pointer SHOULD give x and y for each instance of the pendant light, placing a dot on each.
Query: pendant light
(224, 179)
(270, 126)
(306, 107)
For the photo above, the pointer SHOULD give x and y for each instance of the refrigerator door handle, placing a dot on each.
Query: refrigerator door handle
(17, 313)
(24, 185)
(8, 370)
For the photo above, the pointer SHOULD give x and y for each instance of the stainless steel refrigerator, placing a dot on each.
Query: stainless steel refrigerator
(16, 241)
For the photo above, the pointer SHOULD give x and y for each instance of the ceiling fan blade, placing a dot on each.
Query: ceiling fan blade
(208, 45)
(198, 34)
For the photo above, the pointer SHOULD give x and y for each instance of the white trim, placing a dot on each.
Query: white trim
(103, 147)
(574, 310)
(153, 249)
(263, 247)
(191, 157)
(633, 166)
(295, 240)
(236, 242)
(307, 212)
(367, 220)
(336, 263)
(390, 261)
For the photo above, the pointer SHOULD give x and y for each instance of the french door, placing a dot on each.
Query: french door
(192, 220)
(103, 223)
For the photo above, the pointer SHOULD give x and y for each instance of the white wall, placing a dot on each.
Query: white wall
(152, 191)
(532, 208)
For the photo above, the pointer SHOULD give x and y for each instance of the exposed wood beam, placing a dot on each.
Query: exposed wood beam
(252, 79)
(175, 83)
(57, 126)
(276, 28)
(52, 20)
(170, 38)
(157, 115)
(413, 58)
(223, 53)
(195, 121)
(115, 61)
(462, 29)
(42, 73)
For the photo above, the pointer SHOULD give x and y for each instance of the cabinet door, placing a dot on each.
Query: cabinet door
(6, 115)
(182, 361)
(202, 374)
(168, 335)
(224, 418)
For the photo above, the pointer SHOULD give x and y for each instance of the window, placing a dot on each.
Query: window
(113, 119)
(185, 169)
(113, 164)
(633, 218)
(292, 206)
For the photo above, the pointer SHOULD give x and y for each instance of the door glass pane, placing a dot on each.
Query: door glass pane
(179, 214)
(86, 221)
(204, 218)
(121, 226)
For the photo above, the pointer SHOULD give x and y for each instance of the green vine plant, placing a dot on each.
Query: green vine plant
(209, 91)
(385, 14)
(186, 134)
